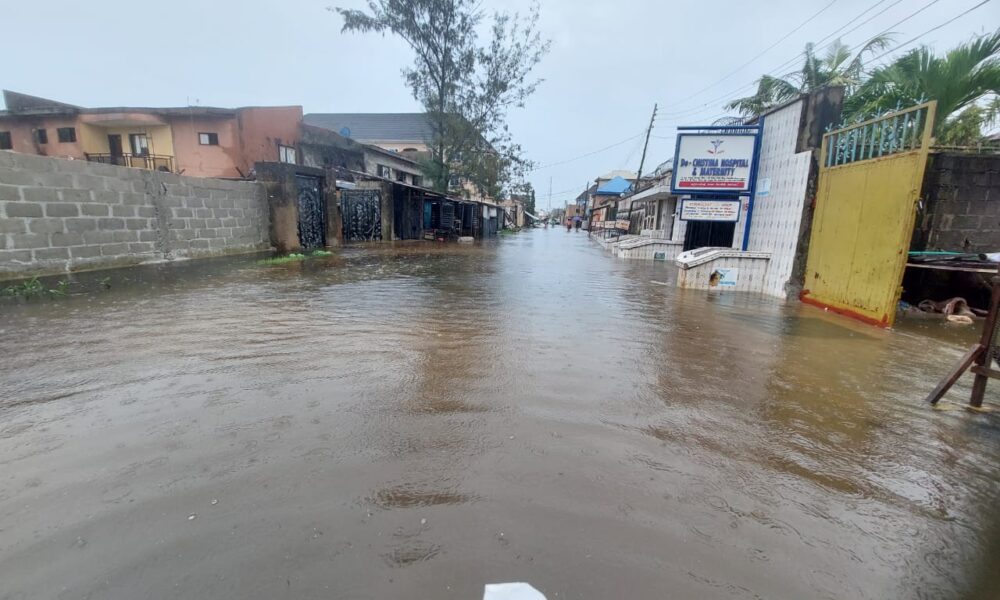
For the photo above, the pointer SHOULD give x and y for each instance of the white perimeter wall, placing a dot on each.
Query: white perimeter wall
(777, 217)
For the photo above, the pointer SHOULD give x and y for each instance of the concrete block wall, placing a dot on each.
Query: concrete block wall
(961, 212)
(61, 215)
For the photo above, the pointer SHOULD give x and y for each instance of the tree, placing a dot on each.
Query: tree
(835, 68)
(525, 192)
(958, 80)
(466, 88)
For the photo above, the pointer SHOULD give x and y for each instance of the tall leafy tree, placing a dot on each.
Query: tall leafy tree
(837, 67)
(959, 80)
(466, 87)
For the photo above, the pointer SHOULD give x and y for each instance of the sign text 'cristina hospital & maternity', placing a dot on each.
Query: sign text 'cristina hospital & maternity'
(714, 163)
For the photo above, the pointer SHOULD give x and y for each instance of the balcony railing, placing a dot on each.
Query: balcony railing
(153, 162)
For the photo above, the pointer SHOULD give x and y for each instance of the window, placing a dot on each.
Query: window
(384, 171)
(401, 176)
(286, 154)
(208, 139)
(139, 143)
(5, 143)
(417, 180)
(66, 135)
(41, 136)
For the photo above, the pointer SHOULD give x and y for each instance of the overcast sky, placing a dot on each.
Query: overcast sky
(610, 61)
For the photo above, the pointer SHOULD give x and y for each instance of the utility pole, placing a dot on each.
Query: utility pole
(642, 161)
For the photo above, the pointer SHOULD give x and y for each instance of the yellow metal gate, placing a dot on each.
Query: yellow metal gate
(869, 183)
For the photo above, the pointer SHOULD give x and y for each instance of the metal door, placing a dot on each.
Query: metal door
(869, 182)
(312, 216)
(362, 212)
(709, 234)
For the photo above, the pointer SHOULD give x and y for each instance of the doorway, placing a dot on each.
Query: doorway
(362, 215)
(705, 234)
(312, 217)
(115, 149)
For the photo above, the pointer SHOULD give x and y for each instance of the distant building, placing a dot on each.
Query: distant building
(405, 133)
(199, 141)
(409, 135)
(515, 213)
(329, 150)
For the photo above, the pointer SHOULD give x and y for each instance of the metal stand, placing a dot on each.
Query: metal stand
(977, 359)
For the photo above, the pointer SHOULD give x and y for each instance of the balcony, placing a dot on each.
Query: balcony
(153, 162)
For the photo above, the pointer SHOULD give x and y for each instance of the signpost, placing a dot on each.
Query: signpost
(718, 161)
(713, 163)
(725, 210)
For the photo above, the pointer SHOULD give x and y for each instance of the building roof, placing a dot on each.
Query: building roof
(618, 173)
(18, 102)
(375, 127)
(24, 104)
(615, 187)
(313, 134)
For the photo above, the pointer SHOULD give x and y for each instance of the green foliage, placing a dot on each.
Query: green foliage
(33, 288)
(294, 257)
(835, 68)
(965, 129)
(466, 87)
(525, 192)
(960, 81)
(957, 80)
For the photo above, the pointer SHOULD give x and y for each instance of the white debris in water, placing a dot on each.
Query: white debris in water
(215, 501)
(423, 521)
(192, 517)
(511, 591)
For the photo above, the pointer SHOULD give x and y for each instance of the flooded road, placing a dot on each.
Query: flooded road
(417, 421)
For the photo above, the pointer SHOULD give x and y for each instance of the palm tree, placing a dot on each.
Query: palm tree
(957, 80)
(835, 68)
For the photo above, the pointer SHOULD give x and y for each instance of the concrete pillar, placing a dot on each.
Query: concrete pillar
(385, 192)
(334, 218)
(281, 202)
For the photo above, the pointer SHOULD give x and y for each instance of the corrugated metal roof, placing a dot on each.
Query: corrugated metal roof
(375, 127)
(614, 187)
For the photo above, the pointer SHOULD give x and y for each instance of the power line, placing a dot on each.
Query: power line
(705, 106)
(598, 151)
(631, 153)
(729, 95)
(885, 31)
(792, 60)
(932, 29)
(771, 47)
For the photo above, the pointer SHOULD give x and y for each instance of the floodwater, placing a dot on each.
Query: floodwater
(415, 421)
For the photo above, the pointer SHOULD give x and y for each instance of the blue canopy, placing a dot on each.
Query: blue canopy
(614, 187)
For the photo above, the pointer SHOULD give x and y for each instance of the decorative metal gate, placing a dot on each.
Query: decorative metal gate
(869, 182)
(312, 216)
(362, 212)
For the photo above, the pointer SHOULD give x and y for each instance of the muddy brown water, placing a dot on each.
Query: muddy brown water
(415, 421)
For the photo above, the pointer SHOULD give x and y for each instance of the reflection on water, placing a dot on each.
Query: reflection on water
(416, 420)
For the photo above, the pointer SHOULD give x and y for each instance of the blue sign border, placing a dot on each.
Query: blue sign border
(680, 214)
(751, 181)
(756, 130)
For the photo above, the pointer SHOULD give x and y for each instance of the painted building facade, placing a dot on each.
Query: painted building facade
(196, 141)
